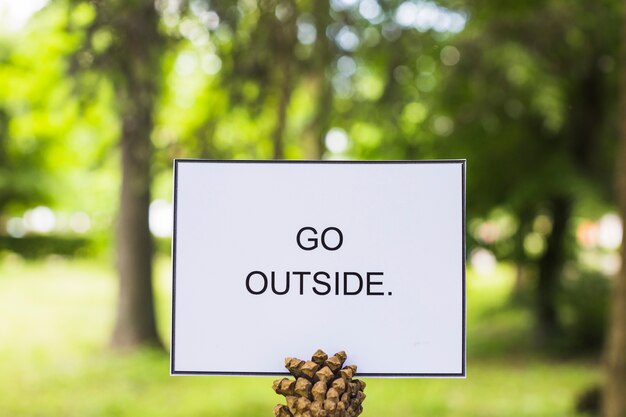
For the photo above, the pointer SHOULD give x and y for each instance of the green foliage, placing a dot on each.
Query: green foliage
(526, 91)
(51, 142)
(397, 91)
(38, 246)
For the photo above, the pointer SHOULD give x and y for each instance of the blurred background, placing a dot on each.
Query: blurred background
(97, 98)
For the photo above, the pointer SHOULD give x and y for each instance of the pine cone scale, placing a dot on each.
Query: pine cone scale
(323, 387)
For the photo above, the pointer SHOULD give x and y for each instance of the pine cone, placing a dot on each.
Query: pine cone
(321, 388)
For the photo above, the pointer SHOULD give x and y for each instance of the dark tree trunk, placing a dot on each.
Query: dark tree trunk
(323, 54)
(137, 61)
(519, 255)
(584, 121)
(550, 265)
(322, 119)
(135, 323)
(206, 147)
(283, 38)
(315, 132)
(614, 401)
(284, 98)
(614, 398)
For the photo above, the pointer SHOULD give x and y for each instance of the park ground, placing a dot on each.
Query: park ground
(56, 317)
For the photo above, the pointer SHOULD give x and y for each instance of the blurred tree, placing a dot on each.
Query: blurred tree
(135, 24)
(266, 62)
(51, 145)
(29, 187)
(398, 79)
(267, 58)
(122, 42)
(533, 115)
(614, 398)
(28, 169)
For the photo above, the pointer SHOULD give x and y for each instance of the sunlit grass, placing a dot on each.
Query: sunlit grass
(57, 316)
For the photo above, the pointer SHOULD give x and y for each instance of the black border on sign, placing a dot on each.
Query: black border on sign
(462, 162)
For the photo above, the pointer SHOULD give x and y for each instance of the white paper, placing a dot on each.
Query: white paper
(405, 220)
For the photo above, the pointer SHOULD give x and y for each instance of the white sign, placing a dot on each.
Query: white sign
(280, 258)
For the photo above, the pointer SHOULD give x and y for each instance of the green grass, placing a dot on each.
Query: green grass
(56, 317)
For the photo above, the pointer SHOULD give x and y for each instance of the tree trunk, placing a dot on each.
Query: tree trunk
(519, 255)
(135, 323)
(283, 38)
(284, 97)
(614, 401)
(614, 398)
(550, 265)
(323, 54)
(315, 131)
